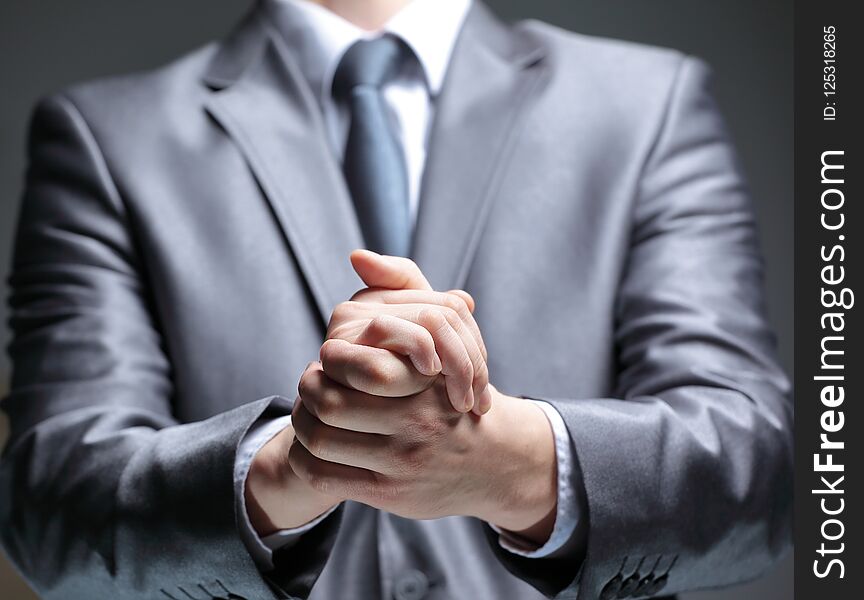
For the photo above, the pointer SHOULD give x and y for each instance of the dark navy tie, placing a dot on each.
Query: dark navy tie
(374, 163)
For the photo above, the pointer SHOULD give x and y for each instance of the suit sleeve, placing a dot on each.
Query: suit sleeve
(103, 493)
(688, 467)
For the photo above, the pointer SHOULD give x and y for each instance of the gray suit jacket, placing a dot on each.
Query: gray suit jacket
(184, 236)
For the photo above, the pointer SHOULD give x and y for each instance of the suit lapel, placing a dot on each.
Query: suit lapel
(265, 106)
(492, 73)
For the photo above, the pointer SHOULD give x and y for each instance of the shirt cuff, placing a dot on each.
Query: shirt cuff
(261, 549)
(569, 510)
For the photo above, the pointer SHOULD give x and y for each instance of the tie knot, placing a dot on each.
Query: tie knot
(367, 63)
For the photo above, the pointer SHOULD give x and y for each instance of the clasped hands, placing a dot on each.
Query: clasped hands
(399, 414)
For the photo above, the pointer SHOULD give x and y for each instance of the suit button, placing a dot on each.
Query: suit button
(644, 584)
(657, 585)
(628, 586)
(411, 585)
(611, 589)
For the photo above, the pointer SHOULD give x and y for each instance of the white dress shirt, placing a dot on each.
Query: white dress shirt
(317, 39)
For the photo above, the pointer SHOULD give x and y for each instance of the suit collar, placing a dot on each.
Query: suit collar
(244, 44)
(238, 50)
(267, 17)
(318, 38)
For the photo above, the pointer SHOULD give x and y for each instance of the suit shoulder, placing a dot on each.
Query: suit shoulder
(569, 45)
(625, 88)
(611, 64)
(132, 97)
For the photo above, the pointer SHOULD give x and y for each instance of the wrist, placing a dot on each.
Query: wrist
(275, 497)
(525, 470)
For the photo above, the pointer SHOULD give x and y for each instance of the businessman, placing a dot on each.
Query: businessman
(553, 377)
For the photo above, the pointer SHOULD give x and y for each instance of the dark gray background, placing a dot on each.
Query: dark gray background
(48, 44)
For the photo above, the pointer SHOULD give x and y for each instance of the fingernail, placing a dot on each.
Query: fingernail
(436, 363)
(485, 400)
(469, 401)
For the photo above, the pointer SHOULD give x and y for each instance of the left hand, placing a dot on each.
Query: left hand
(416, 457)
(411, 334)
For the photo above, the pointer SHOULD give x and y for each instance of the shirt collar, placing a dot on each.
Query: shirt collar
(318, 38)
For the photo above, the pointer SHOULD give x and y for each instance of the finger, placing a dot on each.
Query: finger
(371, 370)
(456, 364)
(348, 331)
(455, 346)
(343, 446)
(405, 338)
(466, 297)
(480, 371)
(332, 479)
(450, 300)
(484, 405)
(392, 272)
(465, 382)
(343, 407)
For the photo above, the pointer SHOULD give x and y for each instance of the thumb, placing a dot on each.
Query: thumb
(389, 272)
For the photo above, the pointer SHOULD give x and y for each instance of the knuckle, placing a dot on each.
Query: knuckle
(361, 295)
(458, 304)
(378, 374)
(481, 373)
(318, 481)
(362, 487)
(432, 319)
(307, 430)
(368, 375)
(327, 349)
(299, 463)
(409, 264)
(423, 339)
(384, 491)
(343, 311)
(317, 381)
(332, 350)
(336, 332)
(412, 459)
(339, 313)
(316, 442)
(378, 325)
(306, 385)
(450, 301)
(327, 405)
(452, 316)
(427, 426)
